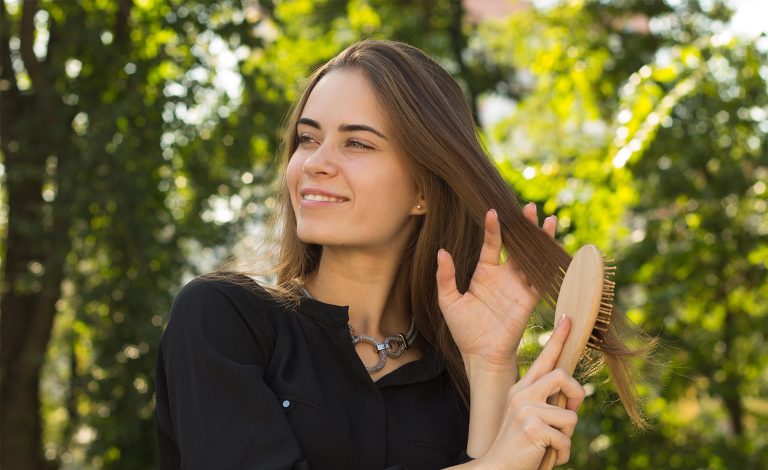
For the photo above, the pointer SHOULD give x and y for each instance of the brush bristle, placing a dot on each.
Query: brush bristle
(605, 311)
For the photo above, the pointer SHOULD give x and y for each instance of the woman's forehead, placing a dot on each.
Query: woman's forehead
(344, 97)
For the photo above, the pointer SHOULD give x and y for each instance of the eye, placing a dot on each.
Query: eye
(305, 139)
(359, 145)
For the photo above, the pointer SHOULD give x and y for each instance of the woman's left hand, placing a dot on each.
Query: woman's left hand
(488, 320)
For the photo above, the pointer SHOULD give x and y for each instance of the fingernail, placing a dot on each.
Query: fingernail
(560, 320)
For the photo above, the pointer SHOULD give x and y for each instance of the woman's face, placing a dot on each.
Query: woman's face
(348, 186)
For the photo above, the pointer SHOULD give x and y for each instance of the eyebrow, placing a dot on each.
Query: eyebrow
(343, 127)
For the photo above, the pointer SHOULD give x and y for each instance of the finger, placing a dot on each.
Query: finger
(545, 435)
(550, 225)
(559, 381)
(531, 213)
(562, 445)
(551, 352)
(447, 293)
(489, 253)
(563, 420)
(576, 401)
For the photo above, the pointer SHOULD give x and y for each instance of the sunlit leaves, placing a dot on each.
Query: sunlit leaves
(646, 138)
(646, 104)
(661, 162)
(363, 18)
(560, 154)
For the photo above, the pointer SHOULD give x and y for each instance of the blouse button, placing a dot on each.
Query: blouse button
(286, 403)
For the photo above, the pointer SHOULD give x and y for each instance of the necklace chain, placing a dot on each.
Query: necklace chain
(392, 346)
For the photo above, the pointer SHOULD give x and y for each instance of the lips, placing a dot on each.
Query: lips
(319, 195)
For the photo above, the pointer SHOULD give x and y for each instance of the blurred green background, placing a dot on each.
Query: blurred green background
(137, 151)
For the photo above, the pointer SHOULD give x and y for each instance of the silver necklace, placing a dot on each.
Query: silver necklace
(392, 346)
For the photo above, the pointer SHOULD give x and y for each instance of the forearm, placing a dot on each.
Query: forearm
(488, 389)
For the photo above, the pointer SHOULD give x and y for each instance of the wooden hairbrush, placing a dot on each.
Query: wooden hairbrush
(586, 296)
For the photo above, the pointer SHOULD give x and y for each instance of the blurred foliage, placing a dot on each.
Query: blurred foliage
(642, 125)
(652, 142)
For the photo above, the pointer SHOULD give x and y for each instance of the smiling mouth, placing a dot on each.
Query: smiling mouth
(318, 197)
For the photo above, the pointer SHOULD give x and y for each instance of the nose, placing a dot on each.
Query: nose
(321, 162)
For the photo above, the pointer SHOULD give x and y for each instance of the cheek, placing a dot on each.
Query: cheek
(400, 186)
(293, 174)
(391, 191)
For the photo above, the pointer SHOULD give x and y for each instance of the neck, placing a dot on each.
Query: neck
(365, 281)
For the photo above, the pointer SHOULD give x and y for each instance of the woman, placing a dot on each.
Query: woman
(366, 354)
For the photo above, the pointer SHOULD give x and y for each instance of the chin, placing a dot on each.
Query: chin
(314, 237)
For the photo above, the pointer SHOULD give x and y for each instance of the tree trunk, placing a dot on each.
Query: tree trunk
(731, 392)
(36, 245)
(33, 270)
(30, 289)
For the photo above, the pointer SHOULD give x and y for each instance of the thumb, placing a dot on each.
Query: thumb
(546, 361)
(447, 293)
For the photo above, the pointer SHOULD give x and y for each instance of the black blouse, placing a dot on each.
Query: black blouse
(243, 382)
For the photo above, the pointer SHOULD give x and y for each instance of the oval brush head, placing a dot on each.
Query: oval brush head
(586, 297)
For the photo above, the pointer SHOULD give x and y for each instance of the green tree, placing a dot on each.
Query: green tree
(81, 122)
(651, 142)
(160, 123)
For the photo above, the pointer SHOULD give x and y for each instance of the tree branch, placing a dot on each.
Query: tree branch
(6, 68)
(121, 22)
(53, 42)
(27, 37)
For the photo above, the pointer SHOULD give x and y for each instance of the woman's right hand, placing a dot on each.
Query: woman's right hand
(530, 424)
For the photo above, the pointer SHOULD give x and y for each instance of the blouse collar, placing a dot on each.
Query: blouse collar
(326, 314)
(329, 315)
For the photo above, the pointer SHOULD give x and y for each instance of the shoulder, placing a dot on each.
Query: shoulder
(226, 290)
(228, 314)
(224, 300)
(219, 285)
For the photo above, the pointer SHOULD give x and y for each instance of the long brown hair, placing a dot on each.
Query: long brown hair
(436, 134)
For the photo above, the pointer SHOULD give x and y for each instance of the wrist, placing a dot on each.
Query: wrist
(489, 386)
(481, 368)
(480, 463)
(472, 464)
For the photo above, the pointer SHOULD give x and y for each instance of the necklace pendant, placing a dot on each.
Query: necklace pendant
(392, 346)
(381, 349)
(400, 345)
(384, 349)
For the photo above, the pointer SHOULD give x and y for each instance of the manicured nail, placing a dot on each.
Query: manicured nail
(493, 210)
(560, 320)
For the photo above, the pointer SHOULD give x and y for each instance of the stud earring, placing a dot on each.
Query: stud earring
(419, 207)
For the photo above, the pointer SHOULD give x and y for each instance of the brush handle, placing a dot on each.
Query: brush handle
(579, 297)
(548, 462)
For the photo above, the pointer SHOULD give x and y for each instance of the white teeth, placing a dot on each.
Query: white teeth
(318, 197)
